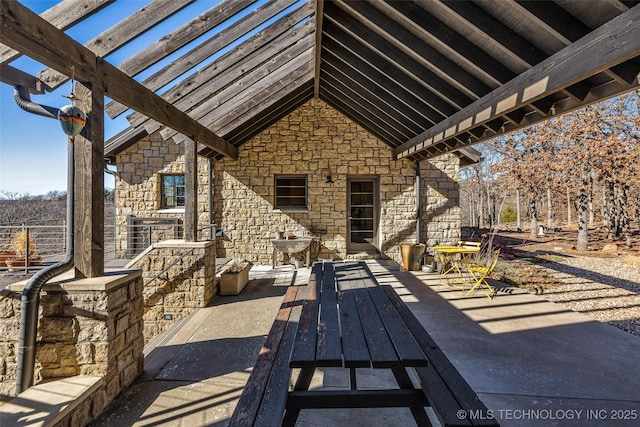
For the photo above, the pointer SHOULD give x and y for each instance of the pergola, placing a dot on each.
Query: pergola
(426, 77)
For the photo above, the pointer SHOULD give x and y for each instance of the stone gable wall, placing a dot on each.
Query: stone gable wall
(311, 138)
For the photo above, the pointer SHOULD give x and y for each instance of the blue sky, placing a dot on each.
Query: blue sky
(33, 149)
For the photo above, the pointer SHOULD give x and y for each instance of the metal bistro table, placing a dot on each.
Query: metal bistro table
(349, 321)
(446, 254)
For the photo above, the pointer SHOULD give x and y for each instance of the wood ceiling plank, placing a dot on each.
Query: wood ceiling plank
(232, 79)
(63, 15)
(343, 71)
(457, 48)
(255, 51)
(259, 93)
(484, 30)
(121, 33)
(240, 90)
(402, 39)
(393, 62)
(413, 107)
(181, 36)
(610, 45)
(361, 102)
(209, 47)
(265, 98)
(28, 33)
(556, 20)
(387, 75)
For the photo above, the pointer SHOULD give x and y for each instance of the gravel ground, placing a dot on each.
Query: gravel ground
(605, 289)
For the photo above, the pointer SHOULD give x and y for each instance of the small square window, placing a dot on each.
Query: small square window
(172, 191)
(291, 192)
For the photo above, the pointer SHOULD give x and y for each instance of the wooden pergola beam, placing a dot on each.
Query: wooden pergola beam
(28, 33)
(63, 15)
(607, 46)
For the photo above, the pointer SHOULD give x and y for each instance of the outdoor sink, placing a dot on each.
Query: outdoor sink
(291, 246)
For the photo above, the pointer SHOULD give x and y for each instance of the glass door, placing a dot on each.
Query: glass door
(362, 225)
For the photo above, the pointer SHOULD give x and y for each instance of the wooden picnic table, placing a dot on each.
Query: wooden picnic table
(344, 319)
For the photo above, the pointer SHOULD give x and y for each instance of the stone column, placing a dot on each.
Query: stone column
(440, 200)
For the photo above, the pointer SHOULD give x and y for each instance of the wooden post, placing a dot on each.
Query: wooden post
(89, 188)
(190, 191)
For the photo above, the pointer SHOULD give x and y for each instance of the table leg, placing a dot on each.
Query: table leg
(302, 383)
(404, 382)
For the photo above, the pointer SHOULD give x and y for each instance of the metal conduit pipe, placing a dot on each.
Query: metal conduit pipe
(418, 201)
(31, 293)
(23, 99)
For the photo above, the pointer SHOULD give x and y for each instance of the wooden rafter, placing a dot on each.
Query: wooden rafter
(62, 16)
(609, 45)
(25, 31)
(319, 19)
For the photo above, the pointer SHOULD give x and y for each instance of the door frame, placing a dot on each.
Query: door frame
(375, 245)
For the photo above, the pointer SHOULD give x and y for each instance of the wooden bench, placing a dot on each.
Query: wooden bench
(264, 396)
(267, 398)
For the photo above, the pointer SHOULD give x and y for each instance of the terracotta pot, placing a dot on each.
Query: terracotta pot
(18, 263)
(4, 256)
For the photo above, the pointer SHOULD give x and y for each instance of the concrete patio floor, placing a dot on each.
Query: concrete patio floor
(532, 362)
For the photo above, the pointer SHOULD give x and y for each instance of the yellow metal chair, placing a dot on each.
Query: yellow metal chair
(480, 272)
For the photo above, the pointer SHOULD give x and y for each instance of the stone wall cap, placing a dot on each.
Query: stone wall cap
(179, 243)
(49, 402)
(112, 278)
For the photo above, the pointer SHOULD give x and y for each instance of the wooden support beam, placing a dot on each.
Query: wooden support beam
(610, 45)
(25, 31)
(190, 191)
(89, 190)
(121, 33)
(62, 16)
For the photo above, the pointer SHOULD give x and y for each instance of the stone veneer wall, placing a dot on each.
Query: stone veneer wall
(86, 327)
(440, 200)
(178, 277)
(313, 137)
(138, 183)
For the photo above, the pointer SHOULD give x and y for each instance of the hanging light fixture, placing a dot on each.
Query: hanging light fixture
(72, 119)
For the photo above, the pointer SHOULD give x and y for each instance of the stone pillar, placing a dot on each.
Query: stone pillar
(178, 277)
(440, 200)
(89, 326)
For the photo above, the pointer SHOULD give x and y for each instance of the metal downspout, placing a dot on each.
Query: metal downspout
(417, 201)
(31, 293)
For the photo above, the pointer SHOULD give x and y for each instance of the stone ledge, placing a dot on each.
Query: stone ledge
(111, 279)
(179, 243)
(49, 403)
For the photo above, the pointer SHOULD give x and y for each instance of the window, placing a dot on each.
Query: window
(291, 192)
(172, 191)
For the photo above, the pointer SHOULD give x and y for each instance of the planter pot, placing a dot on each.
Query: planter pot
(298, 263)
(4, 256)
(18, 264)
(234, 283)
(412, 255)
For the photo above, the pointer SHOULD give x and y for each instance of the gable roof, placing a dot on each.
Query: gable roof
(426, 77)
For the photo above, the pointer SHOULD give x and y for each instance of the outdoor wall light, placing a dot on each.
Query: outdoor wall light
(326, 172)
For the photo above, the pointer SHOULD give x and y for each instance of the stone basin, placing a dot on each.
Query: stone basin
(292, 246)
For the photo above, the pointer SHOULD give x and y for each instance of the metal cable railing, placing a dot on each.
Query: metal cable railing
(122, 242)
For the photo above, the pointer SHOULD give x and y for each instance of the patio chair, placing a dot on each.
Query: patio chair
(480, 272)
